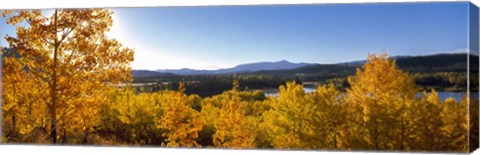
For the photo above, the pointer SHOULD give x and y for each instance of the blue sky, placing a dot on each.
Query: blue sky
(218, 37)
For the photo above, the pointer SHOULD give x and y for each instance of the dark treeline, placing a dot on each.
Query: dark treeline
(442, 72)
(208, 85)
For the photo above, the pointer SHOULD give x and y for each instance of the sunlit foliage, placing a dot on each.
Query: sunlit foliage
(181, 122)
(299, 120)
(68, 62)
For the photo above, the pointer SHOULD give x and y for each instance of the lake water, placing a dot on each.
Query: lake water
(443, 95)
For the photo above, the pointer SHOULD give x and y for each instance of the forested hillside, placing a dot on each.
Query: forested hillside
(443, 72)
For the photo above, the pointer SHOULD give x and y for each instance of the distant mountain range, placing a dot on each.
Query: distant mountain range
(455, 62)
(243, 68)
(412, 64)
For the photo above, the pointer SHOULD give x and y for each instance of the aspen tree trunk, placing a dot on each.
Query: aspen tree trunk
(53, 93)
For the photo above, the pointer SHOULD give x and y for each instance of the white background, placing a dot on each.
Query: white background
(83, 150)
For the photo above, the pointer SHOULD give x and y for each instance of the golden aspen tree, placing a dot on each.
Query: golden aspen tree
(284, 119)
(453, 135)
(209, 114)
(425, 122)
(133, 117)
(70, 54)
(262, 137)
(233, 129)
(352, 133)
(382, 92)
(181, 122)
(332, 111)
(437, 125)
(299, 120)
(257, 104)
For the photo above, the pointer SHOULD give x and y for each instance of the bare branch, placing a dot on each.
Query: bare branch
(66, 35)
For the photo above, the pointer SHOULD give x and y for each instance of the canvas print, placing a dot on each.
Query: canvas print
(345, 77)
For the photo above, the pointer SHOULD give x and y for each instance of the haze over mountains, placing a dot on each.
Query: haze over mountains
(447, 62)
(242, 68)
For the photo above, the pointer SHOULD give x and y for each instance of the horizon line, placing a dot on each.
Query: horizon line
(456, 51)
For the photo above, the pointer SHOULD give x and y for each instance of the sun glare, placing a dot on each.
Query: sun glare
(116, 31)
(84, 23)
